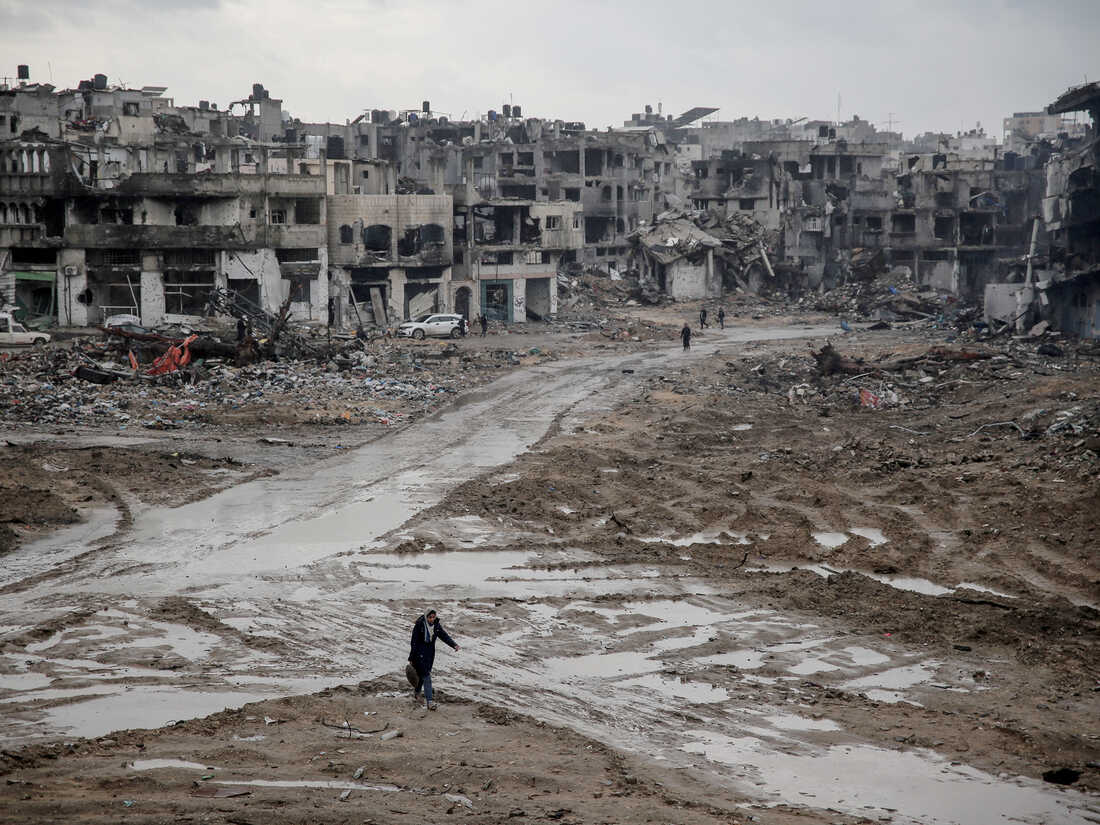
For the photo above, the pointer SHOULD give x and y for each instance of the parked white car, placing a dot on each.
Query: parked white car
(435, 325)
(14, 334)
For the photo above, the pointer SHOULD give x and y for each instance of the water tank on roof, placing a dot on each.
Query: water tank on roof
(413, 117)
(492, 115)
(99, 82)
(443, 121)
(204, 105)
(516, 112)
(507, 110)
(426, 106)
(257, 91)
(23, 71)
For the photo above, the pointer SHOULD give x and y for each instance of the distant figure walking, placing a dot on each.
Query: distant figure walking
(703, 318)
(722, 317)
(481, 319)
(685, 336)
(422, 653)
(240, 330)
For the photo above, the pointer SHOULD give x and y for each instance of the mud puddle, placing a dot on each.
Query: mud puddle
(912, 787)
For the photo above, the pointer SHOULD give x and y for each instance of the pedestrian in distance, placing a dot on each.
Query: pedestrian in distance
(685, 336)
(422, 653)
(703, 318)
(240, 330)
(484, 324)
(722, 317)
(463, 327)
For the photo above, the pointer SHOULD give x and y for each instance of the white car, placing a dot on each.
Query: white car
(435, 325)
(14, 334)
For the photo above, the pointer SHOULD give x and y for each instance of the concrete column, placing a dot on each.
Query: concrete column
(152, 308)
(540, 172)
(396, 299)
(519, 301)
(446, 294)
(70, 312)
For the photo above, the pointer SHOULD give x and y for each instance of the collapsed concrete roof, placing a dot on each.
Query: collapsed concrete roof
(675, 236)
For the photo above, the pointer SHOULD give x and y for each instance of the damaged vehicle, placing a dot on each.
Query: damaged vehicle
(14, 334)
(434, 325)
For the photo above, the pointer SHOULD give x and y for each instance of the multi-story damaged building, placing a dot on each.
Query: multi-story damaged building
(946, 218)
(950, 217)
(1059, 279)
(138, 206)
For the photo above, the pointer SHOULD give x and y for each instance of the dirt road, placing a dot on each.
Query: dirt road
(628, 579)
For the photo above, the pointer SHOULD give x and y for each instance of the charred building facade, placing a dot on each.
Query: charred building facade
(141, 208)
(137, 206)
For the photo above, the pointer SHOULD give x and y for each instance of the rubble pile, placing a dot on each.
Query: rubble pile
(587, 293)
(891, 296)
(937, 377)
(380, 382)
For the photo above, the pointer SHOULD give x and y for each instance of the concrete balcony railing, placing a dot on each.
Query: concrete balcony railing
(123, 236)
(214, 185)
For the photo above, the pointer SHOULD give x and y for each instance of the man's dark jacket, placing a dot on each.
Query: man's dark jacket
(422, 651)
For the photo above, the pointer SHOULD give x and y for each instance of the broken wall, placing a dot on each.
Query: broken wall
(686, 281)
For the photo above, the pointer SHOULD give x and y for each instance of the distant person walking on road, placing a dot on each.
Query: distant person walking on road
(422, 653)
(481, 319)
(685, 336)
(722, 317)
(703, 318)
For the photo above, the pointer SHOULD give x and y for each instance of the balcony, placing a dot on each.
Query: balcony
(213, 185)
(125, 236)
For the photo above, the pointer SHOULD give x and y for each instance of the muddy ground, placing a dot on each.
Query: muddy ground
(71, 448)
(737, 586)
(323, 759)
(984, 550)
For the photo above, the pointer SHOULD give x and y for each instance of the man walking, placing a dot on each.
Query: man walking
(722, 317)
(685, 336)
(703, 318)
(422, 653)
(484, 323)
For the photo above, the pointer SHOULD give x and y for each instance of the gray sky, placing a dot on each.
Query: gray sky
(935, 64)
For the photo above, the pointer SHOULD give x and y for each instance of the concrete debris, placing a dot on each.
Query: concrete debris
(88, 383)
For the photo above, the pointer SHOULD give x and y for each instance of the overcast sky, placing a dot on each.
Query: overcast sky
(934, 64)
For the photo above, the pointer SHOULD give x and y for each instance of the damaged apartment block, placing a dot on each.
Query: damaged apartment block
(141, 208)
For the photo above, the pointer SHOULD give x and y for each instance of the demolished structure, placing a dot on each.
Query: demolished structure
(1058, 280)
(117, 201)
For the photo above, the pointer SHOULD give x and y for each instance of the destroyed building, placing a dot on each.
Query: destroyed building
(138, 207)
(141, 207)
(1058, 280)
